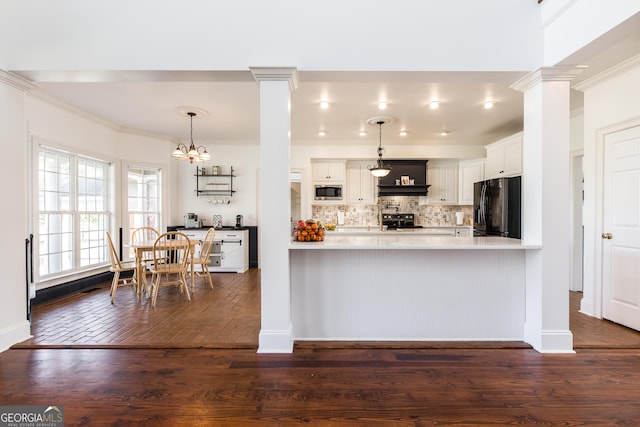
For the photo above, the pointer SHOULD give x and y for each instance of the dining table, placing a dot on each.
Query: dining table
(145, 246)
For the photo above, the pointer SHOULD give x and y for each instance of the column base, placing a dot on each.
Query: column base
(275, 341)
(550, 341)
(14, 334)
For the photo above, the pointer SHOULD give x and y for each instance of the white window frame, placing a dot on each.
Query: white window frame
(79, 231)
(161, 207)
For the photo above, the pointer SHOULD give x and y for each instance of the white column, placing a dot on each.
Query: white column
(276, 85)
(546, 206)
(14, 326)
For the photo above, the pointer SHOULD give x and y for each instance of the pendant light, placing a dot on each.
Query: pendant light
(192, 153)
(380, 170)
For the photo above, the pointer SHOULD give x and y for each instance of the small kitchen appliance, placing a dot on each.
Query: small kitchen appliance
(238, 221)
(328, 192)
(399, 220)
(191, 221)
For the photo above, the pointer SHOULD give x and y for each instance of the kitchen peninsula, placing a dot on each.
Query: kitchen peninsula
(396, 287)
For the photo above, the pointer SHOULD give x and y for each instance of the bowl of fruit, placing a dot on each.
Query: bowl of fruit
(308, 231)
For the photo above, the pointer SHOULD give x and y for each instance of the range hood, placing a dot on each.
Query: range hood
(408, 177)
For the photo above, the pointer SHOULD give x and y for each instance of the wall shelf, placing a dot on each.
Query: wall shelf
(214, 185)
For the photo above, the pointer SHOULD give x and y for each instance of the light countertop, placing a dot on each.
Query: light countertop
(375, 230)
(398, 240)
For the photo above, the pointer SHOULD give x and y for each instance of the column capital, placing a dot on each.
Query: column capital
(548, 74)
(289, 74)
(15, 81)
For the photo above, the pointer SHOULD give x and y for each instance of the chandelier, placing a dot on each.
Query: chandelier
(192, 153)
(380, 170)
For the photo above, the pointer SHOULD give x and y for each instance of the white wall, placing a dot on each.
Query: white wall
(570, 25)
(245, 159)
(610, 104)
(13, 321)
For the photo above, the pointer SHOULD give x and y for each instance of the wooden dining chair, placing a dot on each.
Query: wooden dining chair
(118, 267)
(203, 259)
(171, 253)
(144, 234)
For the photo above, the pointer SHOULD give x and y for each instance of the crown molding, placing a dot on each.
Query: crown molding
(548, 74)
(634, 61)
(96, 119)
(16, 81)
(289, 74)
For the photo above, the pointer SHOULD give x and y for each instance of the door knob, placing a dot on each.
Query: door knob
(607, 236)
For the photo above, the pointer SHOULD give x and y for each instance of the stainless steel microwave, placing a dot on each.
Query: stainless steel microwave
(328, 192)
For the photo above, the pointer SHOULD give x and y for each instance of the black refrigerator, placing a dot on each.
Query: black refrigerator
(497, 207)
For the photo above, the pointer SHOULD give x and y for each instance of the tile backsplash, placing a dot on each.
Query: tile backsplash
(364, 215)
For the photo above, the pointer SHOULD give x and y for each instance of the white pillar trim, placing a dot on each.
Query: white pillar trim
(546, 182)
(275, 84)
(547, 74)
(289, 74)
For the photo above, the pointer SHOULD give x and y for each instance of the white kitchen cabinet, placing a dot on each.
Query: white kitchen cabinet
(464, 232)
(469, 172)
(504, 157)
(360, 183)
(442, 176)
(328, 170)
(230, 251)
(234, 251)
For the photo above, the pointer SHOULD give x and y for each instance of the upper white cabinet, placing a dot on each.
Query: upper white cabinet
(328, 170)
(442, 176)
(469, 172)
(360, 183)
(504, 157)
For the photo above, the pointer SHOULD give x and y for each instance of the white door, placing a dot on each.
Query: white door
(621, 228)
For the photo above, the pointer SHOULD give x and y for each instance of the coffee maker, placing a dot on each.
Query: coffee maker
(191, 221)
(238, 221)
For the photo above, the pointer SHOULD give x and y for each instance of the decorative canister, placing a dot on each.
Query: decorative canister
(215, 170)
(217, 221)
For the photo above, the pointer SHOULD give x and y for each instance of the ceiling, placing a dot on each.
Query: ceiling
(152, 102)
(148, 102)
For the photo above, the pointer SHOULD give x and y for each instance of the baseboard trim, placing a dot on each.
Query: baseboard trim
(68, 288)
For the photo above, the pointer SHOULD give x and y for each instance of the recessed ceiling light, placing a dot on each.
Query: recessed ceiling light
(383, 105)
(444, 132)
(403, 132)
(322, 133)
(363, 133)
(324, 105)
(434, 105)
(489, 105)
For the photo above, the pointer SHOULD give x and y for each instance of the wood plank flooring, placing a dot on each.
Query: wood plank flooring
(226, 317)
(153, 371)
(326, 387)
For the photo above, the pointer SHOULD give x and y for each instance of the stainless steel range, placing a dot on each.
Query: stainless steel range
(399, 220)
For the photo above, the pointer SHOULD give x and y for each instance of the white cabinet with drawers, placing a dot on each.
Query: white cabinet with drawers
(230, 251)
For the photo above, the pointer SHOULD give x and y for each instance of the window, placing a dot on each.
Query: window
(72, 212)
(143, 197)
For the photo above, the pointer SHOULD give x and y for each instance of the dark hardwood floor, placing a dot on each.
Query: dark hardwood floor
(188, 381)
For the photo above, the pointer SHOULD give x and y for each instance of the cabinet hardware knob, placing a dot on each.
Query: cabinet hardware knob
(608, 236)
